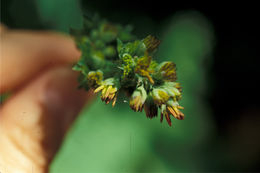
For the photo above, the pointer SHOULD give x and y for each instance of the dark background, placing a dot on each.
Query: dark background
(233, 77)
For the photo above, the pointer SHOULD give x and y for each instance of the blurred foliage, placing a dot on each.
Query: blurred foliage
(60, 14)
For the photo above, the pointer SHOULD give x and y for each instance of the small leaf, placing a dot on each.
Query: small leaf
(119, 46)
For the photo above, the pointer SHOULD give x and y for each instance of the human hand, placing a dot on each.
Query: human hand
(36, 68)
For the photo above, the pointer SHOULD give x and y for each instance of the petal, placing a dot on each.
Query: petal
(161, 117)
(168, 118)
(99, 88)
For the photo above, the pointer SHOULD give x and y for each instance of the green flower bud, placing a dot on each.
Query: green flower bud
(94, 78)
(170, 88)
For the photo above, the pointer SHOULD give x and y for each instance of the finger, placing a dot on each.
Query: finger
(24, 54)
(34, 120)
(2, 28)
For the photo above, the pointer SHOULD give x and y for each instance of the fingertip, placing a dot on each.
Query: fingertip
(24, 54)
(64, 45)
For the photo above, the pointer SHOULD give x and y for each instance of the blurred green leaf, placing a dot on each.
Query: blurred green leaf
(61, 15)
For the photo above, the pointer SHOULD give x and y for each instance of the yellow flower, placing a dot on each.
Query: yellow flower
(166, 97)
(108, 91)
(94, 78)
(171, 108)
(138, 98)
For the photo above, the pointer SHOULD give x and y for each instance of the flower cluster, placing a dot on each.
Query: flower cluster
(166, 97)
(108, 91)
(113, 60)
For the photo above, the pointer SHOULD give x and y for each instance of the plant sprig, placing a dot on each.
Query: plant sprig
(112, 59)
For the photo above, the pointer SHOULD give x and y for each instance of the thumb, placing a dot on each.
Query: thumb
(34, 120)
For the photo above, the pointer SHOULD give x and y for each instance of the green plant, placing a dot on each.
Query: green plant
(113, 59)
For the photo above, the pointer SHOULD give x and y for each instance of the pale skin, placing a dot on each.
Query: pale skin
(36, 68)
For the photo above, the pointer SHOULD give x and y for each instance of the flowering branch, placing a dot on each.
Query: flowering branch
(113, 59)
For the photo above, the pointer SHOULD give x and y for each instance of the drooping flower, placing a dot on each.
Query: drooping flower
(108, 90)
(166, 98)
(138, 98)
(171, 108)
(151, 109)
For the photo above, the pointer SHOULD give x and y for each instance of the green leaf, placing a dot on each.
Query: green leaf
(120, 46)
(136, 48)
